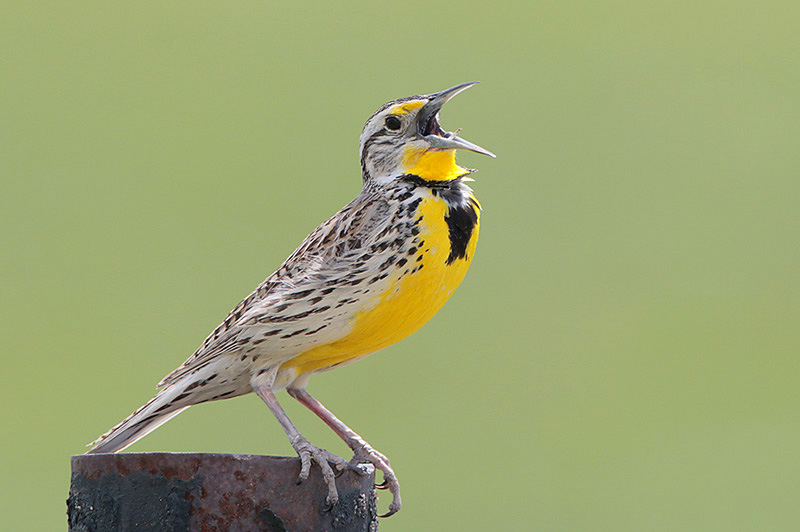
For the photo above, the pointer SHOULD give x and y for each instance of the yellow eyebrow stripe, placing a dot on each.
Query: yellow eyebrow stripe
(405, 108)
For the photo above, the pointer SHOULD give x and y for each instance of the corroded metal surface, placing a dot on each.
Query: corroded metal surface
(176, 492)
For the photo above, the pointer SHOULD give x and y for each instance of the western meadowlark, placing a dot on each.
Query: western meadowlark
(368, 277)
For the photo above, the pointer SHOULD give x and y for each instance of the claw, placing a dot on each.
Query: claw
(361, 469)
(393, 509)
(362, 451)
(308, 452)
(365, 453)
(340, 469)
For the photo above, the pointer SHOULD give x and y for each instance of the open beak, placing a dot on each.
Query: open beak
(429, 128)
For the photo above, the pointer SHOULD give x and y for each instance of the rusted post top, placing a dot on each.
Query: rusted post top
(182, 492)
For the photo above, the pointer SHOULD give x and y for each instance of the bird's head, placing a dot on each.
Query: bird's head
(404, 137)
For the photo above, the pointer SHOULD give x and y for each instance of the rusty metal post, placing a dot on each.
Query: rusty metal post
(177, 492)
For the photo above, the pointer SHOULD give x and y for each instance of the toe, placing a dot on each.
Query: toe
(305, 466)
(393, 509)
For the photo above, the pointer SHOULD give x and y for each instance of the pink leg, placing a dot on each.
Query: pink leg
(363, 450)
(306, 450)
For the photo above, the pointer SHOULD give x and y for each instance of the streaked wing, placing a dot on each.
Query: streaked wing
(324, 255)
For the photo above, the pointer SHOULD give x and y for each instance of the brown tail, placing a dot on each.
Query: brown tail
(146, 419)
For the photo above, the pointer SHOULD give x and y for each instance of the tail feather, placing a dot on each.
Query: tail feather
(142, 422)
(203, 384)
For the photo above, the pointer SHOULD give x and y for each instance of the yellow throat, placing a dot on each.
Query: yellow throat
(432, 165)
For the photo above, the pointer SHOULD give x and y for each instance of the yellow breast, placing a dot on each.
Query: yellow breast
(411, 299)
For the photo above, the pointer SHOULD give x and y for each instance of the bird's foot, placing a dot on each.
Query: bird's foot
(309, 452)
(364, 453)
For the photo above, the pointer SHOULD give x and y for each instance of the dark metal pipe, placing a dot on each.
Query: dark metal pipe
(177, 492)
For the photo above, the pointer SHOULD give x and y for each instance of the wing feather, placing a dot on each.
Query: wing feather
(327, 253)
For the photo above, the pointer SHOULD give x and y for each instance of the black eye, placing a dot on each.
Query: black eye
(393, 123)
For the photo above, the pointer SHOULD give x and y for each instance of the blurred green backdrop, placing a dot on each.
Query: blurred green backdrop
(623, 355)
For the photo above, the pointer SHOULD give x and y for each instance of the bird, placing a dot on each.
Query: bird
(369, 276)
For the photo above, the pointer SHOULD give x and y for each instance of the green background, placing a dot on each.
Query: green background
(623, 355)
